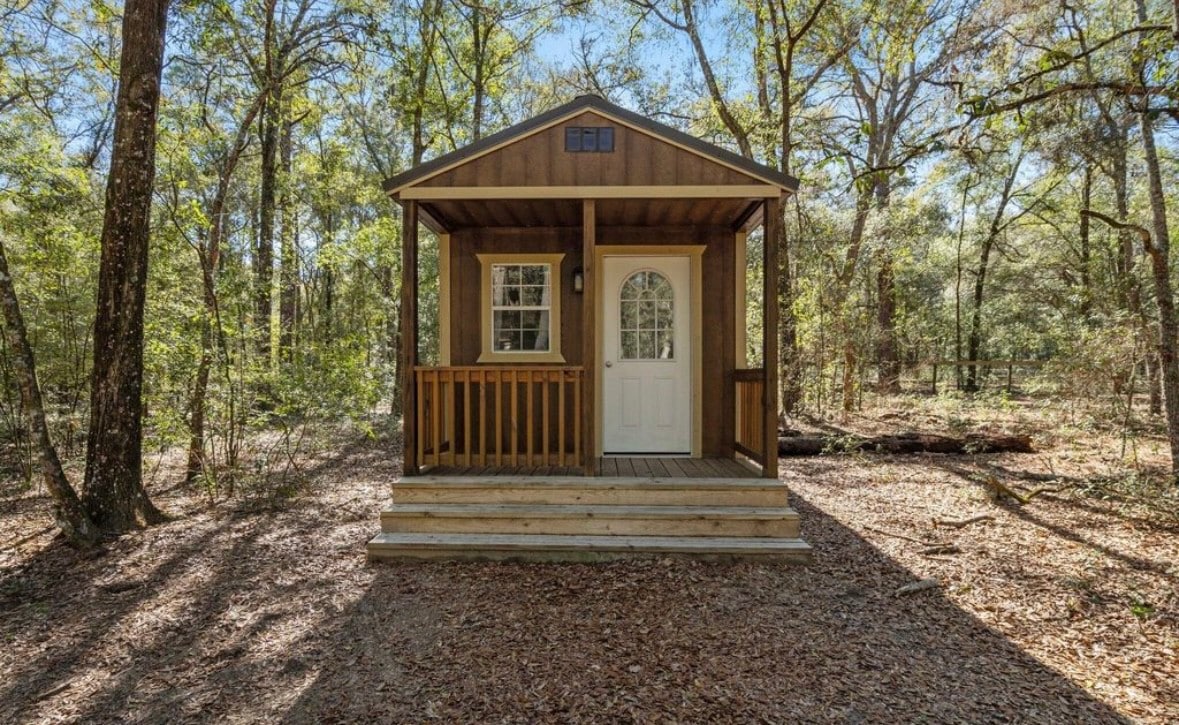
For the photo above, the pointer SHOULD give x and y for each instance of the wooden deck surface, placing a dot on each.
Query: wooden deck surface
(612, 466)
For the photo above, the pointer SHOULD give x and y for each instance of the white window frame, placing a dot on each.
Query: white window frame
(489, 353)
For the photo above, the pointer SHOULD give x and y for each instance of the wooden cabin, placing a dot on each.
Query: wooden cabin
(593, 397)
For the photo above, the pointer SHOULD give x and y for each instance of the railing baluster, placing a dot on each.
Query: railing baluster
(577, 453)
(482, 418)
(544, 418)
(515, 448)
(561, 418)
(499, 418)
(467, 418)
(528, 417)
(451, 400)
(420, 420)
(436, 416)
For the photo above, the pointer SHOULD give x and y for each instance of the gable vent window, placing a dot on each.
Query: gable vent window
(599, 139)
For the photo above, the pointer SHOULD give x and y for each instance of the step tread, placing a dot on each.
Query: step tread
(565, 542)
(589, 482)
(604, 511)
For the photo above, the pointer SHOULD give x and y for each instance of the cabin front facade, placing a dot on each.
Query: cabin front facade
(593, 397)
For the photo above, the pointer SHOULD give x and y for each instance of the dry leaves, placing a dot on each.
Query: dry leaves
(1059, 611)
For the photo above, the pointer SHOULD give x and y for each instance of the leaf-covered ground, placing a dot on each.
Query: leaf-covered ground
(1064, 610)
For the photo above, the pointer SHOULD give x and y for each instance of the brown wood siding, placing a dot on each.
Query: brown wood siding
(719, 338)
(637, 159)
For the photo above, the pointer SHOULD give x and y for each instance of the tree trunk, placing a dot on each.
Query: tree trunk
(68, 512)
(270, 122)
(1160, 258)
(789, 371)
(974, 343)
(113, 492)
(1159, 252)
(289, 270)
(1086, 275)
(958, 382)
(888, 370)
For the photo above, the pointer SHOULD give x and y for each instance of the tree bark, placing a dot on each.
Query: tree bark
(888, 366)
(1159, 253)
(270, 121)
(113, 493)
(1086, 273)
(974, 342)
(1164, 294)
(1160, 257)
(289, 264)
(68, 513)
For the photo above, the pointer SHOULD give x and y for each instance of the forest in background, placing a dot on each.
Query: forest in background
(981, 180)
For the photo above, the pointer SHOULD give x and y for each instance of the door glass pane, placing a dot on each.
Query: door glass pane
(646, 309)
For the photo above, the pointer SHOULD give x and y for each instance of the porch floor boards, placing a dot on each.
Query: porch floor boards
(616, 466)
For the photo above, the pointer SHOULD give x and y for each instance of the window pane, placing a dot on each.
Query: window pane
(630, 345)
(535, 274)
(540, 341)
(533, 296)
(512, 273)
(605, 139)
(530, 320)
(630, 315)
(646, 315)
(647, 345)
(664, 342)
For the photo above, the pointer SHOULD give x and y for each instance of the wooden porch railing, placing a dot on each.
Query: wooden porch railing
(750, 436)
(499, 416)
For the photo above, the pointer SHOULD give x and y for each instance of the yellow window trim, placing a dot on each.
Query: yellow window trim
(488, 354)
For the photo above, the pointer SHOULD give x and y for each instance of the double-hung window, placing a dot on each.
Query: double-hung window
(521, 308)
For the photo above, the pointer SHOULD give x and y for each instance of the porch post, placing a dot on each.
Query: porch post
(771, 225)
(409, 336)
(589, 327)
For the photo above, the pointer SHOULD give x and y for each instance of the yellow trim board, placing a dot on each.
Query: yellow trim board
(695, 254)
(740, 259)
(720, 191)
(444, 300)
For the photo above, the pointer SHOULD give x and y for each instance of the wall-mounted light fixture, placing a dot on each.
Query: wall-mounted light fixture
(578, 280)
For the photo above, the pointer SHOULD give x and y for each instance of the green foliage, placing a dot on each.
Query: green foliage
(889, 116)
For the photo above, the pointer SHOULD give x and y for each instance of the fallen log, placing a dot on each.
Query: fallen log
(814, 445)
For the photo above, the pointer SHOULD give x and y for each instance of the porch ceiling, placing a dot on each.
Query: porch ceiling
(450, 214)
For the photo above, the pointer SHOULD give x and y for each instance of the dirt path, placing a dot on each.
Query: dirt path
(1060, 612)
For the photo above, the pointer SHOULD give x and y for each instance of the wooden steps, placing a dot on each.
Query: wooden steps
(587, 519)
(617, 490)
(536, 547)
(622, 520)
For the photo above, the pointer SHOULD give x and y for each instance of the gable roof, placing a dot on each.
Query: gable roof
(604, 108)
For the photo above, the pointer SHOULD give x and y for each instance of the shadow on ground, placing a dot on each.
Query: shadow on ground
(276, 617)
(681, 640)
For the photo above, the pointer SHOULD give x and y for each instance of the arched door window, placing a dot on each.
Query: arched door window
(647, 313)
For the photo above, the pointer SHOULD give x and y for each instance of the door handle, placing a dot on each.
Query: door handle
(609, 363)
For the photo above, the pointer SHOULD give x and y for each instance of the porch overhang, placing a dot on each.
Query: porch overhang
(739, 209)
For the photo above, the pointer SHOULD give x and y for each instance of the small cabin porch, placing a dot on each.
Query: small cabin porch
(592, 325)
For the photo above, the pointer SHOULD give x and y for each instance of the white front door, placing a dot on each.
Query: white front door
(646, 351)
